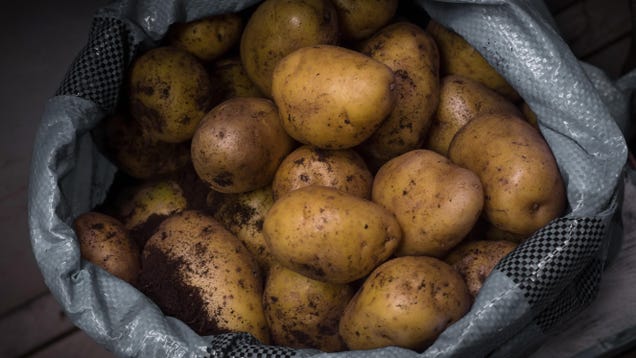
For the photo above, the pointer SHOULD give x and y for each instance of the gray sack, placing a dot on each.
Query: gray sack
(543, 283)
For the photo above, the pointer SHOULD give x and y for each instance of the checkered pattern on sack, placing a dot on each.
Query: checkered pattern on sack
(553, 257)
(97, 72)
(578, 294)
(243, 345)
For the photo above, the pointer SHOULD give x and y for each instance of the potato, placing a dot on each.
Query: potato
(405, 302)
(458, 57)
(332, 97)
(304, 313)
(138, 155)
(359, 19)
(462, 99)
(328, 235)
(475, 260)
(343, 169)
(278, 27)
(436, 202)
(208, 38)
(229, 80)
(523, 187)
(105, 242)
(169, 93)
(412, 55)
(239, 145)
(243, 215)
(529, 114)
(197, 271)
(149, 205)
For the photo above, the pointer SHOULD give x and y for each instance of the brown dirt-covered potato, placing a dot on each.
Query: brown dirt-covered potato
(413, 56)
(332, 97)
(243, 215)
(405, 302)
(359, 19)
(343, 169)
(436, 202)
(522, 183)
(277, 28)
(150, 204)
(302, 312)
(229, 79)
(458, 57)
(197, 271)
(169, 93)
(138, 155)
(462, 99)
(329, 235)
(208, 38)
(239, 145)
(104, 241)
(475, 260)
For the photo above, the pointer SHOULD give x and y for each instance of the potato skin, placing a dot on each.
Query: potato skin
(329, 235)
(342, 169)
(243, 215)
(406, 302)
(197, 271)
(462, 99)
(104, 241)
(436, 202)
(359, 19)
(332, 97)
(239, 145)
(474, 260)
(209, 38)
(229, 80)
(458, 57)
(523, 187)
(413, 56)
(277, 28)
(302, 312)
(169, 93)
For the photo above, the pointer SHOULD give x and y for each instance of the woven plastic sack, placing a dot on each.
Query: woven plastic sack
(543, 283)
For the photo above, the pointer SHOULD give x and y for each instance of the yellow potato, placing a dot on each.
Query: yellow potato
(462, 99)
(328, 235)
(104, 241)
(149, 205)
(277, 28)
(332, 97)
(239, 145)
(208, 38)
(243, 215)
(342, 169)
(359, 19)
(405, 302)
(458, 57)
(197, 271)
(436, 202)
(229, 80)
(475, 260)
(413, 56)
(138, 155)
(169, 93)
(522, 183)
(302, 312)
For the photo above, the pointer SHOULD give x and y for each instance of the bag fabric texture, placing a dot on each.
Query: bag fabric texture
(537, 288)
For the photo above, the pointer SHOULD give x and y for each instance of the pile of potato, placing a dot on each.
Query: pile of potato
(319, 173)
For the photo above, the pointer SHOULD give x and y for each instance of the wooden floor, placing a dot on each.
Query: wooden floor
(40, 39)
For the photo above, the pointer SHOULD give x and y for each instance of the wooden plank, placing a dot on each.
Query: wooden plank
(76, 345)
(590, 25)
(44, 39)
(614, 309)
(612, 58)
(35, 323)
